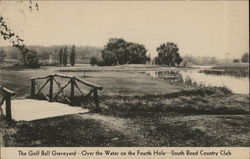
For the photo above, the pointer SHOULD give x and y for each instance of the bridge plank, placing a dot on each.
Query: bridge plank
(29, 109)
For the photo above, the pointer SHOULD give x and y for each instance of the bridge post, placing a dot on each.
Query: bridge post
(32, 91)
(8, 107)
(96, 100)
(51, 88)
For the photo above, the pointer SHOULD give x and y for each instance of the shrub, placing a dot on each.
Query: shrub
(32, 59)
(93, 61)
(100, 63)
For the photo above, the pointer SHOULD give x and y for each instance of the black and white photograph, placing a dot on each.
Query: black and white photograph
(124, 73)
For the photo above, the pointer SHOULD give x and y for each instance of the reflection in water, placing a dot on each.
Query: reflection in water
(237, 85)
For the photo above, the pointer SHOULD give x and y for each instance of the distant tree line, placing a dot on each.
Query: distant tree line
(199, 60)
(82, 54)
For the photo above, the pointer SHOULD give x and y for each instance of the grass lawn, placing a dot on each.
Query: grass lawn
(115, 80)
(136, 110)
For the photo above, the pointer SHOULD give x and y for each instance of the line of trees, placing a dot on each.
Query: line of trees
(63, 56)
(199, 60)
(118, 51)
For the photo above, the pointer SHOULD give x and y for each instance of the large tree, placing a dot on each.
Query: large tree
(2, 55)
(168, 54)
(60, 54)
(65, 56)
(245, 57)
(119, 51)
(73, 56)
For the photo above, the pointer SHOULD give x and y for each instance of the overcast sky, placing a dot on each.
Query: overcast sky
(198, 28)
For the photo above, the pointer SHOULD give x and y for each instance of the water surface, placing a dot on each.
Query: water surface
(238, 85)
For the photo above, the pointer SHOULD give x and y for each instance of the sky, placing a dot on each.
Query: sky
(199, 28)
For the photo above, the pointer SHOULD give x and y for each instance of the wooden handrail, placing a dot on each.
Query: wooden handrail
(70, 77)
(7, 91)
(73, 84)
(43, 77)
(88, 83)
(63, 76)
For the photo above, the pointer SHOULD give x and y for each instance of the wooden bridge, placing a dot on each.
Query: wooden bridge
(53, 95)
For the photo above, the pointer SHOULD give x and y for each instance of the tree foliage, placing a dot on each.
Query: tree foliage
(119, 51)
(17, 42)
(93, 61)
(73, 56)
(65, 56)
(60, 55)
(32, 59)
(245, 57)
(236, 60)
(2, 55)
(168, 54)
(200, 60)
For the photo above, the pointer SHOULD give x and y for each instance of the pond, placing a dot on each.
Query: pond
(238, 85)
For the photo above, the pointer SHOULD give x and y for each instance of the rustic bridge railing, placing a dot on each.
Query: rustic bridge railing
(86, 98)
(6, 95)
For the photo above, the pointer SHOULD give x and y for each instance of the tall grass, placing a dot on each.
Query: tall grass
(239, 70)
(205, 100)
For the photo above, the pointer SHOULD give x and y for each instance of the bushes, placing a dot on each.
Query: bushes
(93, 61)
(96, 61)
(32, 59)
